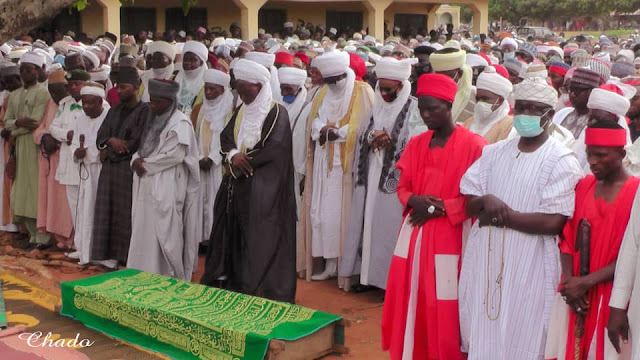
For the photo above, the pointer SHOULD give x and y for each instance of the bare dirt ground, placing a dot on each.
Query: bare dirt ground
(364, 311)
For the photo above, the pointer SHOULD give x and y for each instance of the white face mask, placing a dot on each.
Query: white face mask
(483, 112)
(339, 85)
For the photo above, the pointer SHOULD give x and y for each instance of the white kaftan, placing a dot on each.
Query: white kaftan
(166, 209)
(539, 182)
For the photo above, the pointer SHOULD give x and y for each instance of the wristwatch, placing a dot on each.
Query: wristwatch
(431, 209)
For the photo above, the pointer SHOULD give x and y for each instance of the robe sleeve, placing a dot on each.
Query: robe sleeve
(10, 116)
(133, 143)
(567, 241)
(405, 165)
(173, 154)
(57, 131)
(558, 195)
(104, 132)
(472, 181)
(625, 274)
(416, 124)
(316, 126)
(49, 114)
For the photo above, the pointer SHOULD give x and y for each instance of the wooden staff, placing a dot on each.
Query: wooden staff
(583, 246)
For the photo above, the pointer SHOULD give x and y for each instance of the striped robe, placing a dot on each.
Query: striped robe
(542, 181)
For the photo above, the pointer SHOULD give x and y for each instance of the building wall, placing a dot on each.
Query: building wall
(405, 8)
(92, 20)
(315, 13)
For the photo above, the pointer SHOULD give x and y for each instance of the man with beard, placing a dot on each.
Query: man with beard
(166, 210)
(376, 213)
(253, 239)
(191, 77)
(118, 139)
(160, 65)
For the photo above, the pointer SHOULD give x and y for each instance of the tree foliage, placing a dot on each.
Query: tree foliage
(514, 10)
(186, 4)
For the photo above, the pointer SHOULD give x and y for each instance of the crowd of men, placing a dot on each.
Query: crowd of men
(486, 183)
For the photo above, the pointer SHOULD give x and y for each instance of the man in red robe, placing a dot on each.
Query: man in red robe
(604, 200)
(420, 316)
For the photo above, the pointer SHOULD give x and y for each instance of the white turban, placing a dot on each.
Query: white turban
(608, 101)
(32, 58)
(251, 71)
(95, 60)
(557, 50)
(262, 58)
(627, 54)
(217, 77)
(536, 89)
(508, 41)
(98, 75)
(292, 76)
(452, 44)
(394, 69)
(197, 48)
(474, 60)
(162, 47)
(491, 81)
(92, 90)
(333, 63)
(217, 42)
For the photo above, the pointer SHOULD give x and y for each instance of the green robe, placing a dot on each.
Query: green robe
(28, 103)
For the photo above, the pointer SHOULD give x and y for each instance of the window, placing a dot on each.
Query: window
(176, 20)
(271, 20)
(134, 19)
(343, 20)
(410, 22)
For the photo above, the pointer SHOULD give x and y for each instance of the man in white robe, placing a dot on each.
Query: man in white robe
(210, 119)
(86, 157)
(522, 192)
(162, 55)
(166, 210)
(376, 213)
(191, 77)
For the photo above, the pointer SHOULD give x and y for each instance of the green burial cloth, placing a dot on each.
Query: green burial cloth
(185, 320)
(3, 314)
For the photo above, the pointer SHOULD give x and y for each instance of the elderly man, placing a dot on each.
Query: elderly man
(268, 61)
(376, 214)
(253, 240)
(337, 113)
(25, 111)
(166, 210)
(118, 139)
(210, 118)
(491, 118)
(87, 165)
(161, 65)
(54, 214)
(522, 192)
(191, 77)
(420, 315)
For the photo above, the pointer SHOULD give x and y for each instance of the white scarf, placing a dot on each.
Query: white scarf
(337, 99)
(295, 107)
(214, 112)
(191, 82)
(275, 84)
(253, 116)
(482, 126)
(386, 113)
(164, 73)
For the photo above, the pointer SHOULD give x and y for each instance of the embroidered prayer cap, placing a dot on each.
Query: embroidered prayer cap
(32, 58)
(536, 70)
(57, 77)
(491, 81)
(166, 89)
(265, 59)
(95, 60)
(61, 47)
(587, 77)
(216, 77)
(79, 75)
(538, 90)
(559, 68)
(508, 41)
(128, 75)
(475, 60)
(252, 72)
(405, 51)
(92, 88)
(595, 136)
(283, 58)
(622, 68)
(98, 75)
(246, 46)
(197, 48)
(569, 48)
(17, 52)
(443, 61)
(528, 48)
(610, 98)
(603, 56)
(515, 65)
(579, 58)
(292, 76)
(162, 47)
(394, 69)
(437, 85)
(332, 63)
(600, 66)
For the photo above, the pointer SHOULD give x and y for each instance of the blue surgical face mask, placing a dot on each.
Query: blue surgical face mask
(509, 55)
(289, 99)
(528, 126)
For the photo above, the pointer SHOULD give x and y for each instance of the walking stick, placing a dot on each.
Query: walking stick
(583, 245)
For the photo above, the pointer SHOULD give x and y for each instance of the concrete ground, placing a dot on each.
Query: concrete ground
(364, 311)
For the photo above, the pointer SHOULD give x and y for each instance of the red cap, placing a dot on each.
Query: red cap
(302, 56)
(558, 70)
(438, 86)
(605, 137)
(501, 70)
(357, 65)
(613, 88)
(284, 58)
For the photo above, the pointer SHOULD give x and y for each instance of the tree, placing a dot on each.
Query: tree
(515, 10)
(21, 16)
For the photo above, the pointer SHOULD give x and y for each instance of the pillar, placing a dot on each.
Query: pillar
(161, 21)
(249, 16)
(375, 16)
(432, 17)
(111, 16)
(480, 16)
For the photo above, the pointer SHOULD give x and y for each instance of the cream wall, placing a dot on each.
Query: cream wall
(405, 8)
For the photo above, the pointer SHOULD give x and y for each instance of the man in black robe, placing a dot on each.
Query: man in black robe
(252, 244)
(118, 139)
